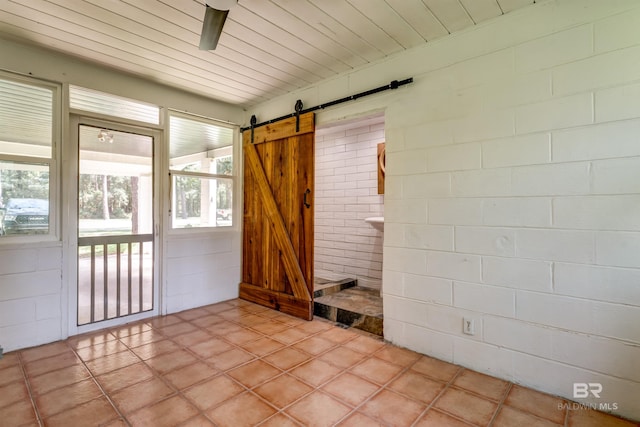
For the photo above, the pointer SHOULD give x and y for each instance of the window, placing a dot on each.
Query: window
(28, 129)
(202, 172)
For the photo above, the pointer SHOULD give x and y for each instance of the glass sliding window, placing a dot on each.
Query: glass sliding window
(202, 172)
(27, 129)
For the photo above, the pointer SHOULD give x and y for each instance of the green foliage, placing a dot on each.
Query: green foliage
(90, 200)
(24, 184)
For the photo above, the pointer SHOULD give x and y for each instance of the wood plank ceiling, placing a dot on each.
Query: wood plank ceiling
(267, 48)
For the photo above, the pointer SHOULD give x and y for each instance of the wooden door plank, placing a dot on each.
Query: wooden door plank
(280, 130)
(277, 300)
(289, 258)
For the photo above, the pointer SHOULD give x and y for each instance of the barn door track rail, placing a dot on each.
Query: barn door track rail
(299, 106)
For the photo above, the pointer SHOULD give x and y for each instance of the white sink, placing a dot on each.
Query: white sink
(376, 222)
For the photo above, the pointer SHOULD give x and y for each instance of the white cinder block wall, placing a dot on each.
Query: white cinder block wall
(30, 295)
(513, 196)
(346, 193)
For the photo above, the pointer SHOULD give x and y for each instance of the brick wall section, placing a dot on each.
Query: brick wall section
(346, 194)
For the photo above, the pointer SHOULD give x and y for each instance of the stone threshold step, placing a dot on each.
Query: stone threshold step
(355, 307)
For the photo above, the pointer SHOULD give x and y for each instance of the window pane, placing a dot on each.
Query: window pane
(26, 119)
(104, 103)
(197, 146)
(24, 198)
(115, 185)
(201, 202)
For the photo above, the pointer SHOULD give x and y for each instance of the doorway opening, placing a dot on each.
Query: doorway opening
(116, 223)
(348, 246)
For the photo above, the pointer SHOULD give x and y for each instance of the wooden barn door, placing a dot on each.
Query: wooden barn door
(277, 259)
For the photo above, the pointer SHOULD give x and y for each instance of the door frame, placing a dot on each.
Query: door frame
(71, 169)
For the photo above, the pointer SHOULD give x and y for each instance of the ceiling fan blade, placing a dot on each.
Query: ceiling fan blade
(212, 27)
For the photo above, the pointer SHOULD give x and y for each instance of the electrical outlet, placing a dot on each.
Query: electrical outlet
(468, 326)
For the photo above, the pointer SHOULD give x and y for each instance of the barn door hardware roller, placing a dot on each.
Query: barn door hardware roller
(299, 111)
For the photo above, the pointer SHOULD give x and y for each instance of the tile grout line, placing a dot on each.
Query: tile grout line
(500, 404)
(447, 386)
(23, 369)
(95, 380)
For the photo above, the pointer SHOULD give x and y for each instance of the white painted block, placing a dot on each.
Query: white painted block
(601, 141)
(598, 283)
(455, 266)
(48, 307)
(18, 260)
(517, 212)
(617, 321)
(50, 258)
(405, 260)
(485, 240)
(428, 289)
(429, 134)
(407, 162)
(619, 249)
(394, 234)
(48, 331)
(615, 212)
(393, 283)
(517, 151)
(552, 180)
(597, 354)
(408, 211)
(553, 310)
(16, 312)
(608, 69)
(484, 299)
(393, 332)
(449, 320)
(429, 342)
(481, 183)
(15, 337)
(493, 66)
(558, 48)
(519, 90)
(556, 245)
(616, 176)
(517, 273)
(405, 310)
(438, 237)
(454, 157)
(482, 357)
(519, 336)
(455, 211)
(617, 103)
(617, 32)
(486, 125)
(16, 286)
(426, 185)
(575, 110)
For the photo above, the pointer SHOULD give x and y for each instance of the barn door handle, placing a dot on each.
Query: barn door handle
(306, 204)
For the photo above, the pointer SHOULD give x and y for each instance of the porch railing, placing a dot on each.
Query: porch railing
(115, 276)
